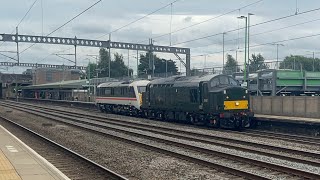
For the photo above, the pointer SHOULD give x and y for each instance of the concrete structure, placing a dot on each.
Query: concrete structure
(19, 161)
(297, 106)
(48, 75)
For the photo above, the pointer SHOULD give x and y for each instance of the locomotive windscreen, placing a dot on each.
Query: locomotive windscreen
(141, 89)
(223, 80)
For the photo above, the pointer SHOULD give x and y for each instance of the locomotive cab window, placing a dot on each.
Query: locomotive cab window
(215, 82)
(142, 89)
(233, 81)
(224, 80)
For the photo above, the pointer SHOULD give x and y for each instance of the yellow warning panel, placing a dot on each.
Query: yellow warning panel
(7, 171)
(232, 105)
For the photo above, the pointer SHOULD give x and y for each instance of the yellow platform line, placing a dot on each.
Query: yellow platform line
(7, 171)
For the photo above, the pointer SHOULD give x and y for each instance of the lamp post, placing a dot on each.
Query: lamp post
(245, 48)
(249, 14)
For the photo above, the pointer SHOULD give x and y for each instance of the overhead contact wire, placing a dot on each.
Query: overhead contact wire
(265, 22)
(138, 19)
(65, 24)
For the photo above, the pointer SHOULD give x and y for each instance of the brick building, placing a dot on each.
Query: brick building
(48, 75)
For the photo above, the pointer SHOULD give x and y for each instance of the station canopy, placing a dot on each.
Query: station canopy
(73, 84)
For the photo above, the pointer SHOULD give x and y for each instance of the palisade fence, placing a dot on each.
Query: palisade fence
(298, 106)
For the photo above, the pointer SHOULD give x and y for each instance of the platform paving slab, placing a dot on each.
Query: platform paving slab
(288, 118)
(19, 162)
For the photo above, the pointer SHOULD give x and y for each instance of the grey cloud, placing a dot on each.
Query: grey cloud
(93, 28)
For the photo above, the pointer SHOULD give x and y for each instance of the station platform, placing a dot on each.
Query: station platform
(19, 162)
(288, 119)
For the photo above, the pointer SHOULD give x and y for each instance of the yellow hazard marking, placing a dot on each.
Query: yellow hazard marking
(140, 98)
(241, 104)
(7, 171)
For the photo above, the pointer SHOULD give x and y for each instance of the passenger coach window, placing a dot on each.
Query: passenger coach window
(122, 91)
(131, 92)
(107, 91)
(112, 91)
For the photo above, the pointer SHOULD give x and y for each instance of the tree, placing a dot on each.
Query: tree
(91, 70)
(103, 64)
(257, 63)
(300, 62)
(159, 64)
(231, 65)
(118, 68)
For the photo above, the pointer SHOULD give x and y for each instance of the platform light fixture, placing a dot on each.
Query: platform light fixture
(245, 47)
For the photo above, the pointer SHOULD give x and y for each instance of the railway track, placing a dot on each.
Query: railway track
(205, 138)
(72, 164)
(286, 137)
(257, 133)
(252, 165)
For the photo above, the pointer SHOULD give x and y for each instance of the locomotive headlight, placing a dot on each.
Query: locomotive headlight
(237, 103)
(225, 92)
(246, 91)
(244, 97)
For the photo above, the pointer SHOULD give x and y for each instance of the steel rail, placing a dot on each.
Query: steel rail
(195, 148)
(109, 172)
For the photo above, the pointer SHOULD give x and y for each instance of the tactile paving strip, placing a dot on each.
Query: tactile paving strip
(7, 171)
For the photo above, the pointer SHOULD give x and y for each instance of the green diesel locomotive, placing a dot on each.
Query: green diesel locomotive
(213, 100)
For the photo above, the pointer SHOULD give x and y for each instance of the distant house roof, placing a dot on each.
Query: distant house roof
(73, 84)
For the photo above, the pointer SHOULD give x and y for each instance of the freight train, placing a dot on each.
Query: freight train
(212, 100)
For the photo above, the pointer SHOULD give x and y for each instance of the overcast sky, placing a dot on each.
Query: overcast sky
(109, 15)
